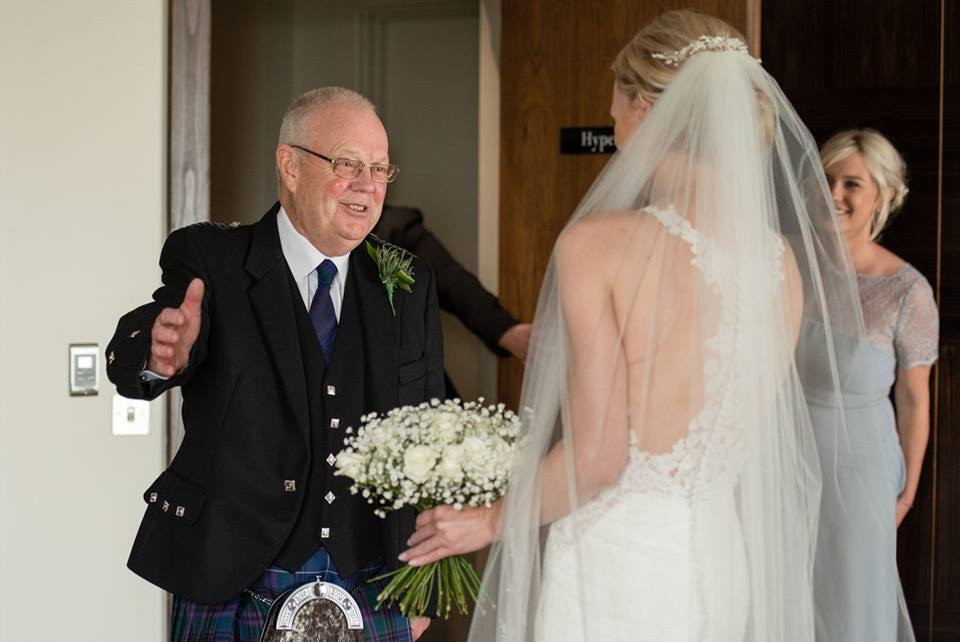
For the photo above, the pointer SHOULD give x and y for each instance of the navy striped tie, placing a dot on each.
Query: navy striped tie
(322, 315)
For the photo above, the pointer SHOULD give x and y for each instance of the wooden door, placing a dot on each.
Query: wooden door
(555, 72)
(895, 66)
(943, 473)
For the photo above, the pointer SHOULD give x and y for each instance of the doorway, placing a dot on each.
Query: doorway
(439, 104)
(263, 55)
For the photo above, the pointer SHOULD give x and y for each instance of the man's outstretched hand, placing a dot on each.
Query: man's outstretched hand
(174, 333)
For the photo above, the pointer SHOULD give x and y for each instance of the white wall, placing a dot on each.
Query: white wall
(82, 202)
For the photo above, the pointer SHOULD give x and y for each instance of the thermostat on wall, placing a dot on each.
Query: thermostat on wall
(84, 369)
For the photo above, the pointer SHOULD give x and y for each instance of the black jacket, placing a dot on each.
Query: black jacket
(461, 294)
(231, 497)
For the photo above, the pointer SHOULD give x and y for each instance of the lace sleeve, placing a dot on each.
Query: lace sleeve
(918, 328)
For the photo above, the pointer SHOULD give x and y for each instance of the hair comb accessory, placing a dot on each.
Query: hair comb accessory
(703, 43)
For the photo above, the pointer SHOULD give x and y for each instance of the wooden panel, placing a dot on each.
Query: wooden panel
(881, 74)
(876, 63)
(945, 607)
(189, 112)
(189, 185)
(555, 72)
(950, 278)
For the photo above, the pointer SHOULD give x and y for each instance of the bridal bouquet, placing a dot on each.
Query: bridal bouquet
(424, 456)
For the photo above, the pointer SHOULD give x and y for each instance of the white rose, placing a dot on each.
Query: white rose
(349, 464)
(451, 464)
(475, 447)
(446, 424)
(500, 447)
(418, 462)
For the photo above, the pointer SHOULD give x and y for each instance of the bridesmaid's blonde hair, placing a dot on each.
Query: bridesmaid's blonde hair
(885, 164)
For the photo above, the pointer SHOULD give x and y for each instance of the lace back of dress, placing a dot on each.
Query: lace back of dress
(711, 452)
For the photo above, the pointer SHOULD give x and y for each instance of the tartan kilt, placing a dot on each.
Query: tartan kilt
(242, 618)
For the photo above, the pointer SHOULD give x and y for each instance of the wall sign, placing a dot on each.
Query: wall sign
(587, 140)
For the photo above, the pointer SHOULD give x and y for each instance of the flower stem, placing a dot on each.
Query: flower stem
(448, 581)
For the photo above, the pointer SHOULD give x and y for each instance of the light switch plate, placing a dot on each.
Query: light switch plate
(84, 369)
(130, 416)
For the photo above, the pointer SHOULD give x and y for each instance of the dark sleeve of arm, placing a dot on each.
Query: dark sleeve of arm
(434, 344)
(460, 292)
(129, 349)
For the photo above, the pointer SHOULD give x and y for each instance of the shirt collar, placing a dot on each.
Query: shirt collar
(301, 255)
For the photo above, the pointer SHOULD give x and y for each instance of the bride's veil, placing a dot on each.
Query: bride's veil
(663, 366)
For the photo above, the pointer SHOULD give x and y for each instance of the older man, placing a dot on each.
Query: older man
(281, 335)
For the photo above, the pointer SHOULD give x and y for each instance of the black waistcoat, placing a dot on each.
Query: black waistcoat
(330, 516)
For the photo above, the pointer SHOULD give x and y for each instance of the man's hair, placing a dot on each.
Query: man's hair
(294, 129)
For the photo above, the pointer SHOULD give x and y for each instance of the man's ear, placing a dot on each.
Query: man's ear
(288, 169)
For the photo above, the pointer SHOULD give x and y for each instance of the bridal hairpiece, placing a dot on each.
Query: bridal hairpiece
(703, 43)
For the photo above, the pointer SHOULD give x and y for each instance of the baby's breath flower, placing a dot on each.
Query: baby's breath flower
(437, 452)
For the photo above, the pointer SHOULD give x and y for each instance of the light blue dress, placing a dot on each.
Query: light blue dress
(857, 587)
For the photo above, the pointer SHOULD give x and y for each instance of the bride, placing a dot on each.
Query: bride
(669, 488)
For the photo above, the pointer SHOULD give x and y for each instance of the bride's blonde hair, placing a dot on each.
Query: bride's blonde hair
(639, 72)
(635, 68)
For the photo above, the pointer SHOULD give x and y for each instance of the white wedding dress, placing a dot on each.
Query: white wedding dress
(660, 555)
(668, 485)
(663, 568)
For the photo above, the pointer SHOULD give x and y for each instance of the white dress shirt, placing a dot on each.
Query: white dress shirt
(303, 258)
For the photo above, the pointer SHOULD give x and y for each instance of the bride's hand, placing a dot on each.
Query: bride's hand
(445, 531)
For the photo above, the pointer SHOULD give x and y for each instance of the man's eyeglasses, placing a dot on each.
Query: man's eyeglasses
(351, 168)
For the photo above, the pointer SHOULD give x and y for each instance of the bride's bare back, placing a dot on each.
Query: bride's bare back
(636, 261)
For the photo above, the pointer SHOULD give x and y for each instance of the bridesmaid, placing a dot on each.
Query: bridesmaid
(877, 467)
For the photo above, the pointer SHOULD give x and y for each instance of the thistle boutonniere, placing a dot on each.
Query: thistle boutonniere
(395, 267)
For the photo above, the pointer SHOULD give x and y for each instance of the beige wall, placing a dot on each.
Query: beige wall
(82, 175)
(488, 174)
(488, 149)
